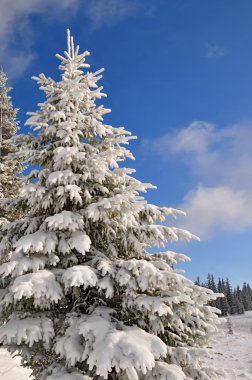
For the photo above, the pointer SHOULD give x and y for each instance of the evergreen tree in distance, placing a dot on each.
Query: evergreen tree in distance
(230, 297)
(9, 168)
(82, 297)
(235, 301)
(223, 303)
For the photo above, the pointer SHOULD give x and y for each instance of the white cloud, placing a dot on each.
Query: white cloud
(217, 209)
(15, 32)
(216, 51)
(215, 155)
(18, 62)
(193, 139)
(16, 35)
(110, 12)
(219, 161)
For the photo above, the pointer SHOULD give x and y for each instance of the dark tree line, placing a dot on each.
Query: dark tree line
(236, 300)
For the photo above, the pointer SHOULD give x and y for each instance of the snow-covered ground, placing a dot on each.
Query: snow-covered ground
(10, 368)
(232, 352)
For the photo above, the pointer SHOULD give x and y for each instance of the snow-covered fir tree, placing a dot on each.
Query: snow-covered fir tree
(82, 296)
(9, 166)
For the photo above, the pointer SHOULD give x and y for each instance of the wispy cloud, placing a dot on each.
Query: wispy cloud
(211, 210)
(18, 62)
(216, 51)
(219, 162)
(110, 12)
(15, 30)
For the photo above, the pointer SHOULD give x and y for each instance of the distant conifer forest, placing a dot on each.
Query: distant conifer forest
(236, 300)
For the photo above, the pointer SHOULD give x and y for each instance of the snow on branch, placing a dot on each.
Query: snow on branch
(108, 345)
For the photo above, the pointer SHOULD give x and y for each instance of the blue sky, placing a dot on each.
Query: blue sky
(178, 75)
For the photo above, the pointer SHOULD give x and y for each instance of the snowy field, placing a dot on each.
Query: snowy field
(233, 352)
(10, 368)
